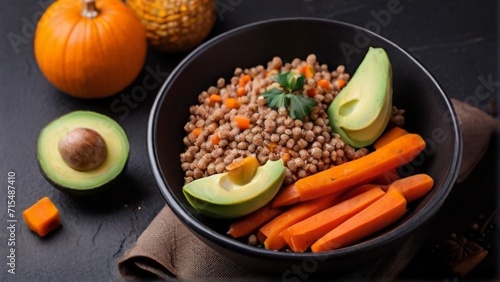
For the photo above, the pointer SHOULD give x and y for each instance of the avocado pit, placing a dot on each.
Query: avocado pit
(83, 149)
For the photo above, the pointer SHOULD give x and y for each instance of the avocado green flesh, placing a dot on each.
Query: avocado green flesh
(209, 197)
(64, 177)
(362, 109)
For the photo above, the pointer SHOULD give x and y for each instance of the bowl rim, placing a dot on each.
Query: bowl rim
(229, 243)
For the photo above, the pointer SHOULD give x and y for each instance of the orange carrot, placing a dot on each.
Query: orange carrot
(252, 222)
(324, 83)
(215, 138)
(387, 177)
(241, 91)
(413, 187)
(311, 92)
(390, 135)
(359, 190)
(356, 172)
(232, 103)
(307, 70)
(373, 218)
(214, 98)
(304, 233)
(242, 122)
(244, 80)
(270, 233)
(197, 131)
(340, 83)
(287, 195)
(42, 217)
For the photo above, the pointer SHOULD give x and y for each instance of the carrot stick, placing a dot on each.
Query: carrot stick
(355, 172)
(304, 233)
(391, 135)
(252, 222)
(359, 190)
(287, 196)
(387, 177)
(413, 187)
(373, 218)
(270, 233)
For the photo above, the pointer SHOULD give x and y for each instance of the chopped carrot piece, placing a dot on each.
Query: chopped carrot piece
(197, 131)
(307, 70)
(215, 139)
(42, 217)
(340, 83)
(311, 92)
(232, 103)
(214, 98)
(324, 83)
(242, 122)
(244, 80)
(241, 91)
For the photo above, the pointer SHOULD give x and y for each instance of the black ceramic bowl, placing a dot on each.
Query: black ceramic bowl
(428, 112)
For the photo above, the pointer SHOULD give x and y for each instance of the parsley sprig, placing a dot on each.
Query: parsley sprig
(289, 96)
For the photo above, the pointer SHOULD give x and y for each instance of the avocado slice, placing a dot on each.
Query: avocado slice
(361, 111)
(237, 192)
(82, 152)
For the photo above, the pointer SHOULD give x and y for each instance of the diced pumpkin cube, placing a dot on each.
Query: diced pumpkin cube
(42, 217)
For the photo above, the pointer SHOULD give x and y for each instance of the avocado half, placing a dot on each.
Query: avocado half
(86, 181)
(361, 111)
(237, 192)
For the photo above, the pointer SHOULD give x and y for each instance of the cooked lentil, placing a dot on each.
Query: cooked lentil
(306, 146)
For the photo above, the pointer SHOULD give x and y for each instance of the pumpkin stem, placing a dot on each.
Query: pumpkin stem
(89, 9)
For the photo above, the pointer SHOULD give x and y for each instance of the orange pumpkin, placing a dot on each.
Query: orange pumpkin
(90, 48)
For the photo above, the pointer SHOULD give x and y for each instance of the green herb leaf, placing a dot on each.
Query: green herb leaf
(290, 82)
(289, 96)
(276, 98)
(300, 106)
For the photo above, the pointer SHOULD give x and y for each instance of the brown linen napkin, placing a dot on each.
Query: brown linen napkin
(168, 250)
